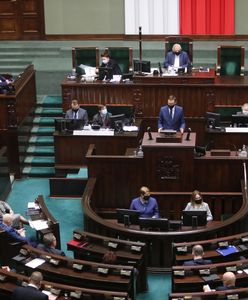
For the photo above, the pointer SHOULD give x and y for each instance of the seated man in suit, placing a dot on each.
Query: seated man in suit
(6, 85)
(145, 204)
(197, 253)
(171, 116)
(49, 244)
(102, 118)
(32, 290)
(18, 220)
(75, 112)
(109, 62)
(228, 280)
(176, 58)
(16, 235)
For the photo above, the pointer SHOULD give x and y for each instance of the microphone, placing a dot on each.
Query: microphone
(149, 133)
(188, 135)
(160, 69)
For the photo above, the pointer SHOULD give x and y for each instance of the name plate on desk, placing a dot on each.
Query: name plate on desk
(237, 129)
(94, 132)
(220, 152)
(169, 138)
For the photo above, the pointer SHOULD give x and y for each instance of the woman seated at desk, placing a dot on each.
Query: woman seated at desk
(197, 203)
(145, 204)
(102, 118)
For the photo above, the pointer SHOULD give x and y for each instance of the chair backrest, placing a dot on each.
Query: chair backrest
(123, 56)
(186, 44)
(126, 109)
(85, 55)
(92, 109)
(230, 60)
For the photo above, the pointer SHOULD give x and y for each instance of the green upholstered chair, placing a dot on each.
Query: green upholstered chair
(185, 43)
(230, 61)
(85, 55)
(123, 56)
(91, 109)
(126, 109)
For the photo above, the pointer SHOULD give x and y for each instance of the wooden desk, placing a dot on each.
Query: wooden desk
(170, 165)
(197, 94)
(70, 150)
(88, 277)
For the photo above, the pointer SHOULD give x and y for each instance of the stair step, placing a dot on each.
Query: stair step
(44, 161)
(45, 111)
(37, 151)
(50, 101)
(37, 130)
(46, 121)
(37, 140)
(38, 171)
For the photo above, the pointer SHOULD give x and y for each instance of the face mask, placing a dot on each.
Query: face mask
(75, 109)
(146, 198)
(171, 106)
(178, 53)
(104, 111)
(245, 112)
(105, 61)
(198, 201)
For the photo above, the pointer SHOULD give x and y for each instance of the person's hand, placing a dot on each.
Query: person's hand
(22, 232)
(160, 129)
(6, 268)
(181, 130)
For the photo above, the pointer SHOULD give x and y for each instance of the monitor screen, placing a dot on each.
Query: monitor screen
(194, 218)
(63, 125)
(239, 120)
(145, 66)
(154, 224)
(117, 122)
(127, 216)
(212, 120)
(105, 73)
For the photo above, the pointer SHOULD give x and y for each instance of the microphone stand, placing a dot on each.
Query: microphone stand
(188, 135)
(149, 133)
(140, 52)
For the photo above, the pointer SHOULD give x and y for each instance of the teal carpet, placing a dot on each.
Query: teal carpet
(68, 212)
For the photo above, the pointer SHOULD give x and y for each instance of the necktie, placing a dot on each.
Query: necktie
(170, 110)
(75, 114)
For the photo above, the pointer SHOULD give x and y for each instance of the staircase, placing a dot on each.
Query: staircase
(36, 145)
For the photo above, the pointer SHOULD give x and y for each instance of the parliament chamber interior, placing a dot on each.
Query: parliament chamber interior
(92, 171)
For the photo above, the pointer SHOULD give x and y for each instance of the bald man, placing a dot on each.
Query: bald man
(197, 253)
(228, 280)
(17, 235)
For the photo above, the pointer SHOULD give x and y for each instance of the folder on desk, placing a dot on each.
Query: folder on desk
(227, 251)
(211, 277)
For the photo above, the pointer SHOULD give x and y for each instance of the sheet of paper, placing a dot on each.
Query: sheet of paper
(33, 205)
(34, 263)
(130, 128)
(38, 224)
(89, 71)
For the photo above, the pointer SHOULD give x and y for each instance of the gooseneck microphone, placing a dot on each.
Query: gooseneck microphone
(188, 135)
(149, 133)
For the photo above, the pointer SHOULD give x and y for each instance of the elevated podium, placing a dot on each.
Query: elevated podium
(169, 166)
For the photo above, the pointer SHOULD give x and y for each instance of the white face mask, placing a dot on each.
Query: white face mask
(104, 111)
(245, 112)
(105, 61)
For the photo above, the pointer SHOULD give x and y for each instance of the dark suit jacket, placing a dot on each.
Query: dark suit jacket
(225, 288)
(13, 234)
(197, 262)
(50, 250)
(97, 119)
(114, 65)
(183, 59)
(28, 293)
(82, 114)
(166, 122)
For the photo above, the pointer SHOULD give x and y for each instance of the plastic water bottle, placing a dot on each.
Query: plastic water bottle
(140, 152)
